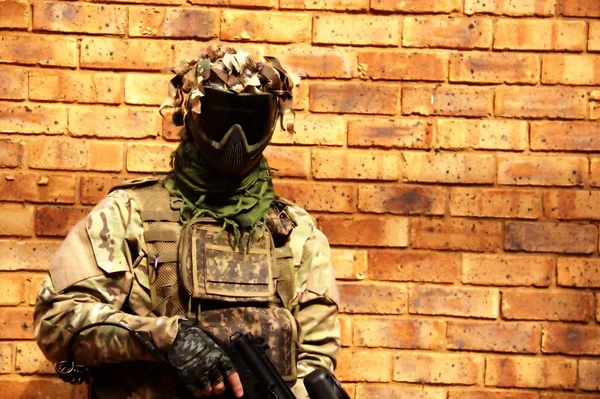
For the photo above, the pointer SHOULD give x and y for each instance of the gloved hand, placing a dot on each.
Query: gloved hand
(201, 363)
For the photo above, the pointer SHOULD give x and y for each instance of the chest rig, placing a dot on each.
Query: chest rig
(194, 271)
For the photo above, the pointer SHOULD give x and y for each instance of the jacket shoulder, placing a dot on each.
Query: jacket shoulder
(136, 183)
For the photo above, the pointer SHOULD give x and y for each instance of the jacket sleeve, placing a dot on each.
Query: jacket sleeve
(317, 310)
(89, 280)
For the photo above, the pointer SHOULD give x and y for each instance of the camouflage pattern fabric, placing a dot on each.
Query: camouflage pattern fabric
(200, 362)
(101, 271)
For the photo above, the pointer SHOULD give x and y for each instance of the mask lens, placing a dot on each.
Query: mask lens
(221, 110)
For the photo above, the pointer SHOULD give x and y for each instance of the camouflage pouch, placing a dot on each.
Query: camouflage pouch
(275, 325)
(211, 269)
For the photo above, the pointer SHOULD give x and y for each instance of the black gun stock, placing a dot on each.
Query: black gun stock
(321, 384)
(260, 378)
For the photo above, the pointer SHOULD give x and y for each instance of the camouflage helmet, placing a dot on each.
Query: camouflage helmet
(229, 104)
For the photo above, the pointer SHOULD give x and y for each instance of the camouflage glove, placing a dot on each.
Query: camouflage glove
(200, 362)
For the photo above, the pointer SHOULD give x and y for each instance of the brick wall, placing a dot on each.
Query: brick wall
(448, 148)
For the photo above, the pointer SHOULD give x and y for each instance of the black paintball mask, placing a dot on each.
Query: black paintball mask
(233, 129)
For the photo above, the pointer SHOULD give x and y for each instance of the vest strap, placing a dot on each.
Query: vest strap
(160, 235)
(159, 216)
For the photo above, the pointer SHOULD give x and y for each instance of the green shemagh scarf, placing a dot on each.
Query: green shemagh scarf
(240, 203)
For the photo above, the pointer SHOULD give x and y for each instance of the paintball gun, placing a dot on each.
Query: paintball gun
(261, 380)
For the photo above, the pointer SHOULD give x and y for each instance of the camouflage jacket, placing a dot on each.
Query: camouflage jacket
(100, 274)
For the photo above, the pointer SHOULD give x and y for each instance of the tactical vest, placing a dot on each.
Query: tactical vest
(191, 272)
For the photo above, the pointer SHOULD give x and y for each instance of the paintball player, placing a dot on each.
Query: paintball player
(189, 258)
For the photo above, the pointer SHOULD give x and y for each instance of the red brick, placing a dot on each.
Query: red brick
(542, 8)
(139, 161)
(33, 187)
(544, 35)
(560, 395)
(456, 234)
(349, 264)
(109, 53)
(110, 122)
(289, 162)
(11, 153)
(26, 255)
(369, 231)
(366, 30)
(170, 132)
(447, 101)
(16, 220)
(447, 32)
(402, 199)
(319, 196)
(395, 391)
(300, 101)
(345, 330)
(30, 360)
(550, 237)
(72, 154)
(534, 170)
(13, 289)
(571, 339)
(344, 5)
(594, 111)
(13, 83)
(594, 36)
(461, 168)
(494, 202)
(595, 172)
(579, 8)
(16, 14)
(56, 221)
(273, 27)
(482, 135)
(374, 365)
(372, 298)
(531, 372)
(70, 86)
(434, 267)
(34, 287)
(359, 165)
(315, 62)
(105, 156)
(389, 332)
(6, 358)
(93, 188)
(578, 272)
(417, 6)
(16, 323)
(494, 337)
(508, 270)
(438, 368)
(558, 69)
(354, 98)
(41, 50)
(589, 375)
(236, 3)
(565, 136)
(454, 301)
(38, 388)
(46, 119)
(396, 133)
(560, 305)
(572, 204)
(403, 66)
(490, 394)
(535, 102)
(173, 22)
(79, 18)
(323, 130)
(495, 68)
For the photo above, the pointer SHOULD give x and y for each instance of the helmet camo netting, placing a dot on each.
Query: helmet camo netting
(232, 70)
